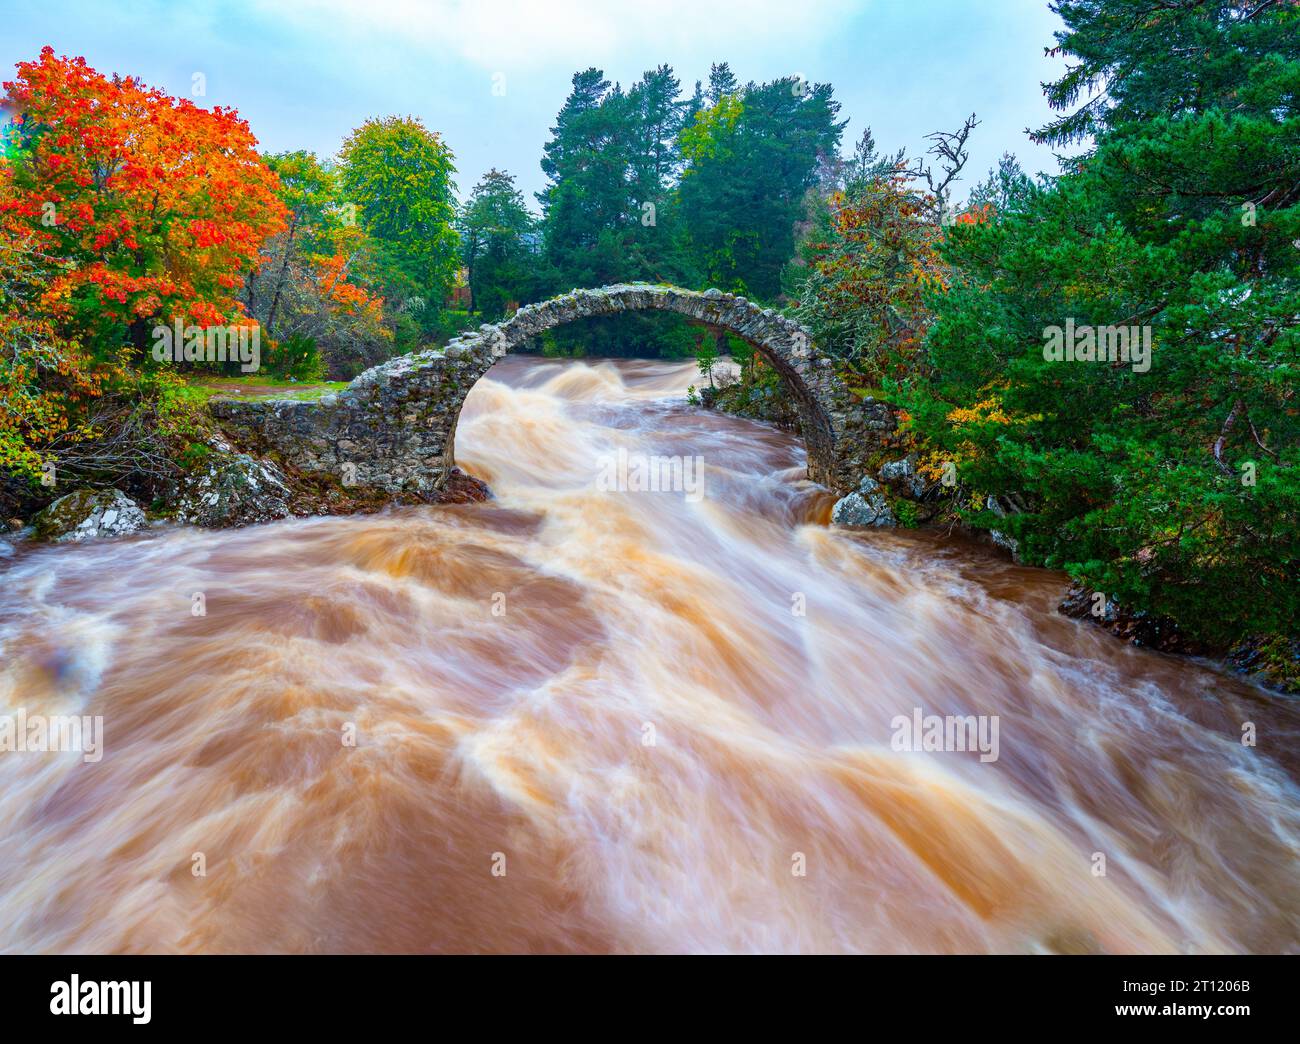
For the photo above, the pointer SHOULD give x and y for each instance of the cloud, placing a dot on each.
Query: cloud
(518, 34)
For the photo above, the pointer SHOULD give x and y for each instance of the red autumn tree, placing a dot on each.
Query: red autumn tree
(120, 208)
(145, 207)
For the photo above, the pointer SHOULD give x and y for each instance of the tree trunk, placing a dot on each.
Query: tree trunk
(284, 269)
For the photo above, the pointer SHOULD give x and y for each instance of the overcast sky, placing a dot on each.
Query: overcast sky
(304, 72)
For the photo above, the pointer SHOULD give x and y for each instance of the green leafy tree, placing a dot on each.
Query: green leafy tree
(310, 191)
(398, 175)
(316, 291)
(706, 355)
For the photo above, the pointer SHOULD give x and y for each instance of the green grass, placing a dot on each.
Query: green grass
(260, 387)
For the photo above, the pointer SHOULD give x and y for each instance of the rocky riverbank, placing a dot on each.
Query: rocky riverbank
(228, 489)
(894, 491)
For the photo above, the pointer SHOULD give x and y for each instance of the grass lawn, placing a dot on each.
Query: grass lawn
(262, 388)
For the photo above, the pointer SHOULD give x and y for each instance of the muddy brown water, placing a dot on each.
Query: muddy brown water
(587, 719)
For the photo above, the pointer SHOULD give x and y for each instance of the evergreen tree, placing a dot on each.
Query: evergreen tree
(655, 118)
(496, 244)
(721, 82)
(750, 156)
(1172, 488)
(609, 212)
(587, 163)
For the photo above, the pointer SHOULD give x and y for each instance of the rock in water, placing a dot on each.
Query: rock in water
(233, 490)
(865, 507)
(89, 514)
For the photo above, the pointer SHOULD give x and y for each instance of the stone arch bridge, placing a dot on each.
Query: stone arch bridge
(394, 427)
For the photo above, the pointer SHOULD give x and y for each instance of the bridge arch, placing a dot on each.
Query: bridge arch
(394, 427)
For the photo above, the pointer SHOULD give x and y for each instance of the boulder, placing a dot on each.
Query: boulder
(89, 514)
(866, 506)
(903, 476)
(1136, 626)
(234, 489)
(11, 532)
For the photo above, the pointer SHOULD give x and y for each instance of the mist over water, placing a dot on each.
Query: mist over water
(614, 698)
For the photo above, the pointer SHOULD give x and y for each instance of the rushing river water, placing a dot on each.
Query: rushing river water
(583, 719)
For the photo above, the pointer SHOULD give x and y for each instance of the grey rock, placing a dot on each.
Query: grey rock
(88, 514)
(1005, 542)
(1001, 539)
(863, 509)
(12, 533)
(902, 475)
(233, 490)
(896, 470)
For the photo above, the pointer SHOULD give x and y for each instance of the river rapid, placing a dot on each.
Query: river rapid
(582, 717)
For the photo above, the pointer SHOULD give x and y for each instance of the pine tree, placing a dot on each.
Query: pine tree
(1172, 488)
(721, 82)
(749, 158)
(496, 244)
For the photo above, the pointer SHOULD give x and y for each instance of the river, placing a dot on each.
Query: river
(583, 718)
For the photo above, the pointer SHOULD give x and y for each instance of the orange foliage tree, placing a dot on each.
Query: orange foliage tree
(870, 271)
(120, 208)
(872, 263)
(44, 377)
(147, 206)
